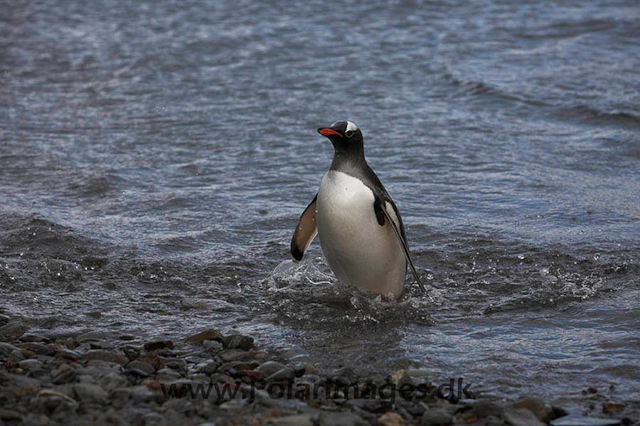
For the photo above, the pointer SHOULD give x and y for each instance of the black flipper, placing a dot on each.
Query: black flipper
(305, 232)
(378, 207)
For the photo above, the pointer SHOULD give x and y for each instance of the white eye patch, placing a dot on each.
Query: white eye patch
(351, 126)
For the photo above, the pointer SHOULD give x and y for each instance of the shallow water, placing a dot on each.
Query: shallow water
(155, 158)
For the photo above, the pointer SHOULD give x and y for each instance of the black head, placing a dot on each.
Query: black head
(345, 136)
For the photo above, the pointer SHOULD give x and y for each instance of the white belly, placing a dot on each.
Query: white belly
(358, 250)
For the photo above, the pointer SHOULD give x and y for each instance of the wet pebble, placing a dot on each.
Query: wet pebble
(521, 417)
(9, 415)
(37, 348)
(209, 367)
(87, 392)
(483, 409)
(51, 393)
(4, 320)
(577, 420)
(234, 355)
(341, 419)
(30, 364)
(93, 336)
(435, 417)
(377, 405)
(270, 367)
(158, 344)
(391, 419)
(210, 334)
(535, 405)
(64, 374)
(102, 355)
(67, 354)
(141, 366)
(237, 341)
(212, 346)
(295, 420)
(608, 407)
(13, 330)
(283, 374)
(9, 351)
(112, 380)
(168, 373)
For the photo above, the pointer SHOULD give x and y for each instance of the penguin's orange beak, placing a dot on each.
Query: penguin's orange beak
(325, 131)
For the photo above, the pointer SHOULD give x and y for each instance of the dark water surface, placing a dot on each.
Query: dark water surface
(155, 157)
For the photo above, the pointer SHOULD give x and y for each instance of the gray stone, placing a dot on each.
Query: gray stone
(435, 417)
(19, 381)
(8, 350)
(270, 367)
(168, 372)
(237, 341)
(521, 417)
(30, 364)
(159, 344)
(138, 373)
(484, 409)
(33, 419)
(176, 364)
(233, 355)
(237, 365)
(340, 419)
(575, 420)
(377, 405)
(38, 348)
(64, 374)
(86, 378)
(212, 345)
(345, 373)
(87, 392)
(175, 404)
(142, 366)
(68, 354)
(205, 335)
(142, 394)
(102, 344)
(113, 380)
(153, 419)
(32, 338)
(535, 405)
(207, 367)
(93, 336)
(492, 421)
(101, 355)
(13, 330)
(137, 394)
(296, 420)
(101, 367)
(286, 373)
(111, 418)
(9, 415)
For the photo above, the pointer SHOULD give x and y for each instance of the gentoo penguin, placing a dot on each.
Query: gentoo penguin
(359, 225)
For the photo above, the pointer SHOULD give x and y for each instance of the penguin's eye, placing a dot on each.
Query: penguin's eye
(348, 133)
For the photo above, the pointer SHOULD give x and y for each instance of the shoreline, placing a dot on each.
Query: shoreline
(99, 377)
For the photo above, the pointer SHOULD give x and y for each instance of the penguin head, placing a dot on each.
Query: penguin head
(344, 135)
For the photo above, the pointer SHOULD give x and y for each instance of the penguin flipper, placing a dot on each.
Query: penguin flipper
(379, 207)
(305, 232)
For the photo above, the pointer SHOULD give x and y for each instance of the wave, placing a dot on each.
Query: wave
(591, 114)
(586, 113)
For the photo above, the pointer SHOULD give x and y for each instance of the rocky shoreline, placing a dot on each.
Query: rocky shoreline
(99, 378)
